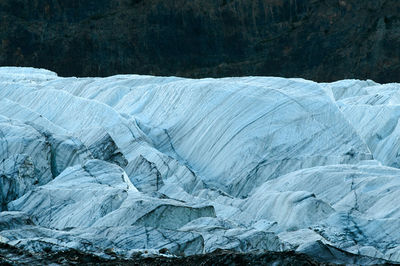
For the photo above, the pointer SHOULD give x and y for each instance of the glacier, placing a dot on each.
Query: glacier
(133, 163)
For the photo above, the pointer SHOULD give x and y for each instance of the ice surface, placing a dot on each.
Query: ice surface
(135, 162)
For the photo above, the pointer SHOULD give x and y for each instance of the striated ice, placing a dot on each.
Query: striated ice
(133, 163)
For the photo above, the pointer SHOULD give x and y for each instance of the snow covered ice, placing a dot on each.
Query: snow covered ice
(135, 162)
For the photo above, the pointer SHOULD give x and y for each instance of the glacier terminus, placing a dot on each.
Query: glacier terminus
(141, 164)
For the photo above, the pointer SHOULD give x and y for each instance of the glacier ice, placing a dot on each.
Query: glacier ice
(134, 163)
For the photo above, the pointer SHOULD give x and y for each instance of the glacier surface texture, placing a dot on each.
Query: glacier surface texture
(135, 163)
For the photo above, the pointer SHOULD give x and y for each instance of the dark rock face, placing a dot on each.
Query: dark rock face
(321, 40)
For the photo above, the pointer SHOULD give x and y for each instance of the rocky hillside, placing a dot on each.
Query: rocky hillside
(322, 40)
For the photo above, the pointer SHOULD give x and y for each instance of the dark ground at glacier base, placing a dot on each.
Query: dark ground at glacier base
(13, 256)
(10, 255)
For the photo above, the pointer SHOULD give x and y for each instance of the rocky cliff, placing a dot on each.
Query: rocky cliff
(322, 40)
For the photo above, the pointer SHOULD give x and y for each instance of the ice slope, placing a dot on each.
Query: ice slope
(255, 163)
